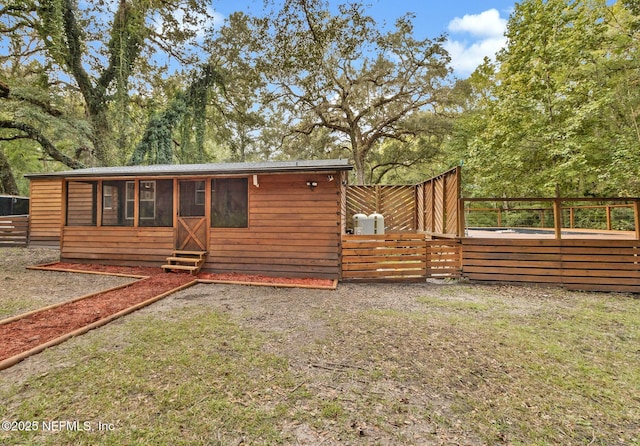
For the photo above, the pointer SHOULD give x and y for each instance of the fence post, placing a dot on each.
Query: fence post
(636, 217)
(461, 220)
(557, 217)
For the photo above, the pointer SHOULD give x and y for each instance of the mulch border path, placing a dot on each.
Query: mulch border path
(32, 332)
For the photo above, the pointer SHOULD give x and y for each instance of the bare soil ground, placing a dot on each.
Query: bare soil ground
(432, 364)
(23, 290)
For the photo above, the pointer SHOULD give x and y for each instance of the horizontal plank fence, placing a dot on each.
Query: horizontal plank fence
(398, 257)
(14, 230)
(576, 264)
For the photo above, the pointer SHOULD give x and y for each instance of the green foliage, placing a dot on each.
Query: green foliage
(341, 73)
(40, 129)
(557, 113)
(187, 108)
(104, 54)
(556, 116)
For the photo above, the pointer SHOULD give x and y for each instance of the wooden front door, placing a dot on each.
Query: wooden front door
(191, 234)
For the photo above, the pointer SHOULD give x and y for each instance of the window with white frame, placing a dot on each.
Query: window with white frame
(147, 200)
(130, 198)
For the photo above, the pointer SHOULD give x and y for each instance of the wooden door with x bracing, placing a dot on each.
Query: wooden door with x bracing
(191, 234)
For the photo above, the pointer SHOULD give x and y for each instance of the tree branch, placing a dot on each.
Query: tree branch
(7, 93)
(48, 147)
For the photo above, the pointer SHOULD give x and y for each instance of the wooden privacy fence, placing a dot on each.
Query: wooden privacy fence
(438, 204)
(578, 264)
(431, 206)
(396, 203)
(398, 257)
(14, 230)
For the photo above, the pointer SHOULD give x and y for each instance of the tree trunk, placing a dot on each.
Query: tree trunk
(359, 161)
(8, 183)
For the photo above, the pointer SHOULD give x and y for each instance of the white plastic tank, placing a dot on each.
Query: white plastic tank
(377, 223)
(359, 223)
(367, 226)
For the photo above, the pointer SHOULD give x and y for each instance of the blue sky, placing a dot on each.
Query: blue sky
(475, 27)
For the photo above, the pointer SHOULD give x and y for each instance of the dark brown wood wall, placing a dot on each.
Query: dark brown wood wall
(581, 264)
(293, 231)
(45, 211)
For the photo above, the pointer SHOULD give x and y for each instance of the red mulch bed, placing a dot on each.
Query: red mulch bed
(256, 279)
(107, 269)
(38, 328)
(266, 280)
(41, 327)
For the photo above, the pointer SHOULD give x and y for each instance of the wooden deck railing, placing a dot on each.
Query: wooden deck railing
(14, 230)
(560, 210)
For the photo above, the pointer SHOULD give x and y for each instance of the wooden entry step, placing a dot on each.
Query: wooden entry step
(191, 261)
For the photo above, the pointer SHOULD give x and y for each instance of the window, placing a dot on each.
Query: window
(200, 193)
(107, 198)
(156, 203)
(131, 196)
(229, 203)
(117, 203)
(147, 200)
(192, 198)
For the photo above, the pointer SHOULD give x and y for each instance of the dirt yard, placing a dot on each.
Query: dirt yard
(431, 364)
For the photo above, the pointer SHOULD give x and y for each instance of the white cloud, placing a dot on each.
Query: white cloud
(484, 34)
(486, 24)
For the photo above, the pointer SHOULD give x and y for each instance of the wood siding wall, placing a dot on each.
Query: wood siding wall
(45, 211)
(579, 264)
(293, 231)
(14, 230)
(80, 211)
(116, 245)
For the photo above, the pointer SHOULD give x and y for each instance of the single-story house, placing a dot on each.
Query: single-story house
(272, 218)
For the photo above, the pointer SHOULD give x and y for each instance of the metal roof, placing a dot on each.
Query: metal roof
(202, 169)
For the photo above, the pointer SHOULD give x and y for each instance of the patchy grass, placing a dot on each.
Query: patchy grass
(22, 290)
(561, 375)
(366, 364)
(192, 379)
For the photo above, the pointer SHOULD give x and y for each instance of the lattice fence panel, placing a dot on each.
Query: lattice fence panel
(431, 206)
(428, 206)
(451, 204)
(395, 203)
(438, 206)
(420, 207)
(398, 206)
(441, 197)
